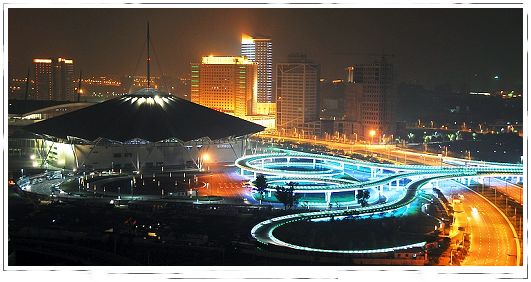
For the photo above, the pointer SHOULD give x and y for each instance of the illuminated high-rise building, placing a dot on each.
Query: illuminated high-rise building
(260, 50)
(375, 107)
(298, 95)
(43, 79)
(226, 84)
(54, 79)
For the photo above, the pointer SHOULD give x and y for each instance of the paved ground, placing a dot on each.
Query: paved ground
(44, 187)
(226, 182)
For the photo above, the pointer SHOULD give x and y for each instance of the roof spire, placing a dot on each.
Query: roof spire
(148, 58)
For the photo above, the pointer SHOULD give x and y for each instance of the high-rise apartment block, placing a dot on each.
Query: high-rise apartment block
(54, 79)
(226, 84)
(298, 95)
(260, 51)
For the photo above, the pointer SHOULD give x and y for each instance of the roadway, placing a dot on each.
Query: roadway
(509, 189)
(492, 239)
(386, 152)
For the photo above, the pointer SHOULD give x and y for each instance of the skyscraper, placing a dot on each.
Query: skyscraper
(226, 84)
(54, 79)
(377, 102)
(260, 50)
(43, 79)
(298, 95)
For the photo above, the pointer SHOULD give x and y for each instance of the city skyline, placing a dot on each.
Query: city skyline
(426, 50)
(297, 135)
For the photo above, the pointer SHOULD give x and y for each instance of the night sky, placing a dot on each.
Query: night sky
(431, 46)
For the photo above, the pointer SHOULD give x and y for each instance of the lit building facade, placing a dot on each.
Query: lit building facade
(100, 88)
(377, 102)
(54, 79)
(43, 79)
(17, 88)
(297, 93)
(226, 84)
(260, 50)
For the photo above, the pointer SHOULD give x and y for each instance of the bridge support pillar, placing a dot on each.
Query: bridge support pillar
(328, 197)
(269, 193)
(520, 179)
(373, 172)
(262, 163)
(313, 162)
(288, 159)
(380, 190)
(242, 172)
(254, 174)
(397, 184)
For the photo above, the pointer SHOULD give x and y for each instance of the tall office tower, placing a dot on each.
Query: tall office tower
(63, 75)
(377, 103)
(43, 79)
(298, 95)
(227, 84)
(54, 79)
(260, 50)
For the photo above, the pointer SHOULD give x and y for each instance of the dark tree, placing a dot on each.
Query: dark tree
(359, 195)
(261, 185)
(363, 196)
(286, 195)
(366, 196)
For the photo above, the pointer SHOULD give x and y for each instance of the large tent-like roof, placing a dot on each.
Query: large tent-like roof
(146, 114)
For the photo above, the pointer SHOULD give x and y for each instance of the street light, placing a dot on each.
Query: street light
(372, 132)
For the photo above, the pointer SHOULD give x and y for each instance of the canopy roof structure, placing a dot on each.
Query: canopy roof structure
(147, 114)
(22, 107)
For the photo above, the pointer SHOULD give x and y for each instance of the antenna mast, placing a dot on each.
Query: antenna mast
(148, 58)
(79, 86)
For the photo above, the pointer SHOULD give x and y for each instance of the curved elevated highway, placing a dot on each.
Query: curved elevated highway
(419, 176)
